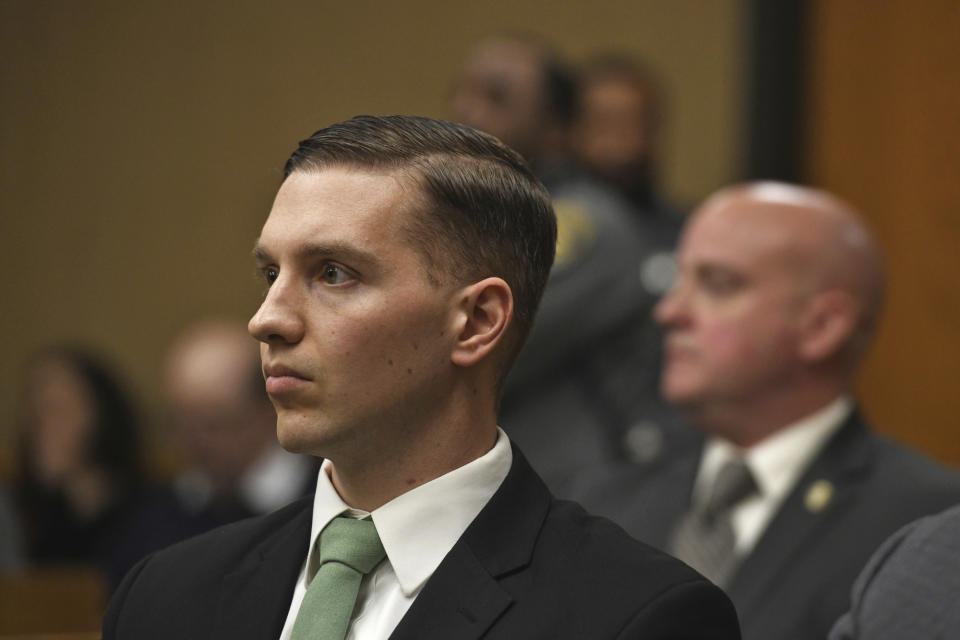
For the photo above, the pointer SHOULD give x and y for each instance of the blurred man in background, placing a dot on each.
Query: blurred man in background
(617, 137)
(584, 389)
(225, 427)
(778, 295)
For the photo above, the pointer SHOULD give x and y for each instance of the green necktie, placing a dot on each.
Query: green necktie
(349, 549)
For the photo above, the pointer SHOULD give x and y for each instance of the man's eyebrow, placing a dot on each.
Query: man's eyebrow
(714, 267)
(340, 251)
(721, 270)
(259, 253)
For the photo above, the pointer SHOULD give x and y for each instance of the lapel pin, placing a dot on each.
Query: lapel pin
(818, 496)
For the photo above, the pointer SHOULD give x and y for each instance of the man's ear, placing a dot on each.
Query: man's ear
(485, 312)
(828, 324)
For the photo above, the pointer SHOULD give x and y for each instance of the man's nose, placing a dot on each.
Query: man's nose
(279, 318)
(672, 308)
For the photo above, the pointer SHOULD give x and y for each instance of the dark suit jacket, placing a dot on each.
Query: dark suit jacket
(911, 586)
(796, 582)
(528, 566)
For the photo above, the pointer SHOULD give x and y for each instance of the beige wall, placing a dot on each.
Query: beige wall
(142, 141)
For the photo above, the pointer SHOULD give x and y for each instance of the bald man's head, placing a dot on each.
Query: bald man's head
(214, 360)
(779, 290)
(219, 409)
(826, 243)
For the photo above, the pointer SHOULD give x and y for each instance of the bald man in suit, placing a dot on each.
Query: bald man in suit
(778, 293)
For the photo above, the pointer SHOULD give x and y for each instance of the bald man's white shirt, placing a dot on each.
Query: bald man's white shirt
(776, 464)
(417, 530)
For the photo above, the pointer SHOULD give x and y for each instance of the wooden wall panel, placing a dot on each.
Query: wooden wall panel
(884, 132)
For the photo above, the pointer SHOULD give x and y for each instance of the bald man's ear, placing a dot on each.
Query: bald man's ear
(483, 315)
(828, 325)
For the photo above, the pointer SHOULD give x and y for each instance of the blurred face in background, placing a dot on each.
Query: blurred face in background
(732, 319)
(59, 417)
(221, 421)
(500, 92)
(613, 136)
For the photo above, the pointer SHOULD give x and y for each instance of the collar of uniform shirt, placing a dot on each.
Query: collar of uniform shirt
(778, 461)
(419, 527)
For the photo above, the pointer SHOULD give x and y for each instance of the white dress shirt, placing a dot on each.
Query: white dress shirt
(776, 464)
(417, 529)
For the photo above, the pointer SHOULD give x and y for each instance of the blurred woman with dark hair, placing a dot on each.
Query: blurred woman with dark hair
(82, 491)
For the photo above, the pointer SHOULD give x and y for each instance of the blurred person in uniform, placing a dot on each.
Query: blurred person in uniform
(778, 294)
(82, 490)
(584, 390)
(617, 138)
(224, 426)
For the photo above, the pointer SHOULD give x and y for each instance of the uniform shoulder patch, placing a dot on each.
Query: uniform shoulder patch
(575, 231)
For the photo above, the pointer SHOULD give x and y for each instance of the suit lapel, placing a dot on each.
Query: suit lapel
(823, 491)
(463, 598)
(255, 598)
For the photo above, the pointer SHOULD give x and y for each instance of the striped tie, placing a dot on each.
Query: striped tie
(705, 538)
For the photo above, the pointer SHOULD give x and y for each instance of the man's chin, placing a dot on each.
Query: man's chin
(291, 445)
(306, 435)
(679, 393)
(296, 435)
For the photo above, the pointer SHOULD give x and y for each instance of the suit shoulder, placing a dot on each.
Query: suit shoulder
(604, 573)
(593, 543)
(910, 472)
(927, 542)
(240, 536)
(173, 592)
(908, 583)
(206, 557)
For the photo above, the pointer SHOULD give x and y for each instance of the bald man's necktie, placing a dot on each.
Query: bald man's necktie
(705, 538)
(349, 549)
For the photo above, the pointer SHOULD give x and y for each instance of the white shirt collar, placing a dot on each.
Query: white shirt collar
(448, 503)
(778, 461)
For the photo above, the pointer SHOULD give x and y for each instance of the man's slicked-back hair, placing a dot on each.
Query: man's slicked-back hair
(481, 211)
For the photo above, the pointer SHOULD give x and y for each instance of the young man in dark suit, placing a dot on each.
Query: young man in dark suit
(404, 259)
